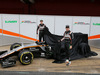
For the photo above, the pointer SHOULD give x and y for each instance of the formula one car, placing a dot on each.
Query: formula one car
(51, 48)
(25, 53)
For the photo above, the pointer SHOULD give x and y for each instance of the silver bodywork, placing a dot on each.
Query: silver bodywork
(19, 48)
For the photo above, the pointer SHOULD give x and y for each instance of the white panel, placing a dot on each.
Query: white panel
(95, 26)
(95, 30)
(61, 22)
(81, 24)
(28, 26)
(0, 25)
(48, 21)
(10, 23)
(0, 31)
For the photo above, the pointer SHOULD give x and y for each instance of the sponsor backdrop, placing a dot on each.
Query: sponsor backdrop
(10, 29)
(22, 28)
(81, 24)
(95, 26)
(95, 32)
(28, 27)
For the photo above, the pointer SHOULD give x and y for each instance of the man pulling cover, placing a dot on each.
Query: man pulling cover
(68, 43)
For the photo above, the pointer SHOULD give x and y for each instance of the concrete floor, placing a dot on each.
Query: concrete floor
(89, 65)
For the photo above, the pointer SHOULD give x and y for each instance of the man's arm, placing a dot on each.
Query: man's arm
(37, 30)
(44, 25)
(63, 37)
(71, 34)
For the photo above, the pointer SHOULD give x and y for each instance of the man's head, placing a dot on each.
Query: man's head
(67, 28)
(41, 21)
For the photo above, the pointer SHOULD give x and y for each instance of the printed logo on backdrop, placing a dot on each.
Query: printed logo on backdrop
(27, 22)
(98, 24)
(11, 21)
(81, 23)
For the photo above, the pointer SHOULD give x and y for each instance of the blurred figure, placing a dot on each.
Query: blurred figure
(68, 43)
(41, 27)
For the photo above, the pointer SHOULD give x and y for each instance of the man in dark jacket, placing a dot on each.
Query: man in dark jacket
(41, 27)
(68, 43)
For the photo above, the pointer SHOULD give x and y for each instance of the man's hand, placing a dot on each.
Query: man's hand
(37, 35)
(70, 46)
(59, 40)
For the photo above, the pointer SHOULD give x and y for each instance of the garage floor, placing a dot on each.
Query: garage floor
(85, 65)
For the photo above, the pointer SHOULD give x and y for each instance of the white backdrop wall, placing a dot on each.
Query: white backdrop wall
(26, 25)
(0, 31)
(10, 24)
(81, 24)
(95, 31)
(61, 22)
(95, 26)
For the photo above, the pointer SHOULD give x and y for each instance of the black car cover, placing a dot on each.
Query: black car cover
(80, 46)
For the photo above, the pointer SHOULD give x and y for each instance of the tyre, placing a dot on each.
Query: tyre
(15, 45)
(25, 57)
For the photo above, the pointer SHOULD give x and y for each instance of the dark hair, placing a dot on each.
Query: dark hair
(41, 20)
(67, 26)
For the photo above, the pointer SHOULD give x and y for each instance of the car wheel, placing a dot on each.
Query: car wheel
(25, 57)
(15, 45)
